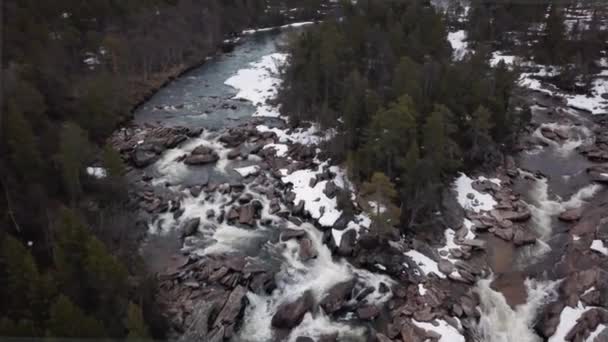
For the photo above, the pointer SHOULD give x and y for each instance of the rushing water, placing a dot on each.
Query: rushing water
(564, 186)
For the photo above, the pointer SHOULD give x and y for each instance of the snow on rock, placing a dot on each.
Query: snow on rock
(598, 246)
(448, 333)
(594, 104)
(426, 264)
(280, 149)
(306, 136)
(248, 170)
(498, 57)
(567, 321)
(471, 199)
(97, 172)
(320, 207)
(459, 45)
(259, 83)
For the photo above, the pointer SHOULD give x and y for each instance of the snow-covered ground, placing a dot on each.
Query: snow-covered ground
(458, 41)
(260, 83)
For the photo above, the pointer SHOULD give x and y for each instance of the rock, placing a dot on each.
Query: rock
(476, 243)
(196, 190)
(287, 234)
(190, 227)
(368, 312)
(275, 206)
(298, 209)
(445, 266)
(347, 243)
(523, 214)
(337, 296)
(382, 338)
(201, 155)
(424, 315)
(521, 237)
(548, 133)
(571, 215)
(247, 215)
(505, 234)
(143, 158)
(290, 314)
(307, 250)
(175, 140)
(233, 214)
(330, 189)
(234, 153)
(328, 337)
(245, 198)
(233, 307)
(304, 339)
(383, 288)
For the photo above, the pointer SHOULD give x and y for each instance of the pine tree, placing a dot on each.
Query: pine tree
(135, 323)
(67, 320)
(21, 288)
(25, 155)
(551, 45)
(113, 163)
(439, 147)
(382, 194)
(480, 126)
(73, 151)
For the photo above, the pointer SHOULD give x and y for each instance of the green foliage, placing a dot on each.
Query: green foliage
(382, 194)
(112, 162)
(25, 155)
(74, 149)
(67, 320)
(135, 323)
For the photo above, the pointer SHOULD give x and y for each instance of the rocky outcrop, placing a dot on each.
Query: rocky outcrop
(201, 155)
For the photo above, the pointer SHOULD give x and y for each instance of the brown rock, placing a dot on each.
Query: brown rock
(571, 215)
(368, 312)
(290, 314)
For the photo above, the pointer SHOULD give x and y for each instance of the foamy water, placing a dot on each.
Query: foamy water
(501, 323)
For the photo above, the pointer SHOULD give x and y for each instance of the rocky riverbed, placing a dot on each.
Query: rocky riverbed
(257, 236)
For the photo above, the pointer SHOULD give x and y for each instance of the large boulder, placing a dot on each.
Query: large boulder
(201, 155)
(290, 314)
(247, 215)
(337, 296)
(347, 243)
(142, 158)
(190, 227)
(233, 307)
(571, 215)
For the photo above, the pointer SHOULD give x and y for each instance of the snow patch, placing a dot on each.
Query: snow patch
(448, 333)
(598, 246)
(459, 45)
(97, 172)
(477, 201)
(426, 264)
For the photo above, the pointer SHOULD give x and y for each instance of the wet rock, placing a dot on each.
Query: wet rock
(275, 206)
(234, 153)
(190, 227)
(520, 215)
(522, 237)
(143, 158)
(337, 296)
(368, 312)
(245, 198)
(175, 140)
(383, 288)
(232, 215)
(307, 250)
(290, 314)
(347, 243)
(548, 133)
(328, 337)
(233, 307)
(247, 215)
(598, 173)
(549, 319)
(201, 155)
(196, 190)
(571, 215)
(287, 234)
(382, 338)
(210, 213)
(445, 266)
(304, 339)
(424, 315)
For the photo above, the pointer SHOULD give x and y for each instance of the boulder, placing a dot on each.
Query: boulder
(201, 155)
(347, 243)
(445, 266)
(175, 140)
(247, 215)
(190, 227)
(368, 312)
(298, 209)
(307, 250)
(142, 158)
(275, 206)
(290, 314)
(522, 237)
(330, 189)
(571, 215)
(287, 234)
(505, 234)
(233, 307)
(337, 296)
